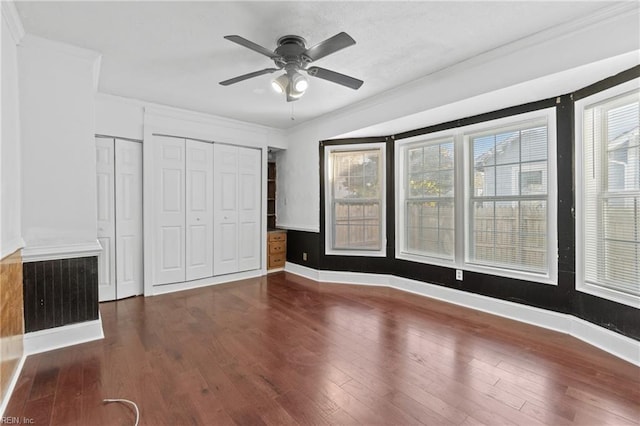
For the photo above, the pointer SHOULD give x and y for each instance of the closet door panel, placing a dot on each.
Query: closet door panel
(128, 183)
(169, 209)
(105, 158)
(199, 233)
(249, 173)
(225, 209)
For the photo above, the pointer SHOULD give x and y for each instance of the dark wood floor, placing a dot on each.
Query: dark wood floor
(285, 350)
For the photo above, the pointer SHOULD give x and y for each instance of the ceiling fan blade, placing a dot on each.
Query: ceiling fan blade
(335, 77)
(329, 46)
(248, 76)
(251, 45)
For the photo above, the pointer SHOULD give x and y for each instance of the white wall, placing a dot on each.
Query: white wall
(57, 85)
(10, 180)
(548, 64)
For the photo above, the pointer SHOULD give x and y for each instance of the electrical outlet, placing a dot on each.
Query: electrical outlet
(459, 274)
(304, 256)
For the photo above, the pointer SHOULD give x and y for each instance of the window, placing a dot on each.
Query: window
(481, 197)
(508, 212)
(608, 202)
(355, 199)
(427, 191)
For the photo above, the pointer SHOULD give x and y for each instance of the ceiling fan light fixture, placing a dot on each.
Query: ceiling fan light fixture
(280, 84)
(297, 85)
(300, 83)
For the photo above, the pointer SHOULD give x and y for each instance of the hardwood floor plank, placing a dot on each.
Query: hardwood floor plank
(284, 350)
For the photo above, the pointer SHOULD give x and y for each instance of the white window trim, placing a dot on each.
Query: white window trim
(328, 214)
(463, 192)
(581, 283)
(548, 114)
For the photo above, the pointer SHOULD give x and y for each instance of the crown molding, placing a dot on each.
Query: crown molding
(12, 18)
(162, 111)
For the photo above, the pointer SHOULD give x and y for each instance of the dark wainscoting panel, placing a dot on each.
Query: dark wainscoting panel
(60, 292)
(620, 318)
(299, 242)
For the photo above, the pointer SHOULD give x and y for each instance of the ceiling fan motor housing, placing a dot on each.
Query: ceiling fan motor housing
(289, 51)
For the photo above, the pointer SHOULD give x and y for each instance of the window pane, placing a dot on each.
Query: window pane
(415, 160)
(356, 175)
(507, 148)
(533, 178)
(533, 234)
(611, 213)
(484, 182)
(509, 205)
(357, 225)
(356, 200)
(534, 144)
(511, 234)
(483, 231)
(430, 228)
(506, 179)
(428, 200)
(483, 150)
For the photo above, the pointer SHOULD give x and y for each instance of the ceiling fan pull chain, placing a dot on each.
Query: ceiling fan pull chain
(292, 112)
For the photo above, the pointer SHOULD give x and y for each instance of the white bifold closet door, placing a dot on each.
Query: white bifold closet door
(183, 205)
(199, 208)
(237, 219)
(119, 210)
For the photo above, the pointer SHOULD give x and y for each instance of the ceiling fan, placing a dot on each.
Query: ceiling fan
(293, 56)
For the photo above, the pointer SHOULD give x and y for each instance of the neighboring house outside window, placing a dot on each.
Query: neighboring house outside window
(608, 194)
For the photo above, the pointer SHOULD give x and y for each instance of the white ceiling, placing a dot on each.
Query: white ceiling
(173, 53)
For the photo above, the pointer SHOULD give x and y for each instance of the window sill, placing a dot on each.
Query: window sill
(607, 293)
(361, 253)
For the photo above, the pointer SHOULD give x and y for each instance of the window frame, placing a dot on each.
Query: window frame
(463, 191)
(582, 284)
(400, 200)
(328, 198)
(548, 116)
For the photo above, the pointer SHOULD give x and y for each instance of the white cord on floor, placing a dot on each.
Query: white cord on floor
(129, 402)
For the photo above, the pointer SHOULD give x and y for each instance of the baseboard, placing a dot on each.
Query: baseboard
(356, 278)
(614, 343)
(607, 340)
(303, 271)
(12, 384)
(60, 337)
